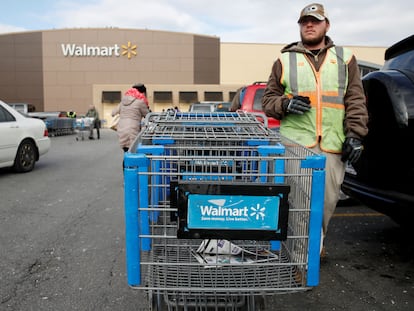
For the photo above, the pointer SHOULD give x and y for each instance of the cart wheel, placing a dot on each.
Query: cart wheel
(253, 303)
(157, 302)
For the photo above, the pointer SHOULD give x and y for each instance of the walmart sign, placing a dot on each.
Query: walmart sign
(84, 50)
(233, 212)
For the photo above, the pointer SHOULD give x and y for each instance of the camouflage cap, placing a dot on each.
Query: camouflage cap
(316, 10)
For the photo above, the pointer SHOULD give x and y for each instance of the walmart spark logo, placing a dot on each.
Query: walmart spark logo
(129, 50)
(258, 212)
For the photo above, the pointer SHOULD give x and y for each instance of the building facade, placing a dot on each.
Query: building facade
(69, 69)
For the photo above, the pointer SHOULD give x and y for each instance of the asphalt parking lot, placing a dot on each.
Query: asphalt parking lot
(62, 242)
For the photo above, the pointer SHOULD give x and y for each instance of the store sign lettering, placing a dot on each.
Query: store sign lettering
(85, 50)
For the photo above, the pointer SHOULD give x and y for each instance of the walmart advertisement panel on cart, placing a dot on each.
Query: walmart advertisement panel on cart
(220, 211)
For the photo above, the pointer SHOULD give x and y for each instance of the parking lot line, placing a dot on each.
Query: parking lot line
(358, 215)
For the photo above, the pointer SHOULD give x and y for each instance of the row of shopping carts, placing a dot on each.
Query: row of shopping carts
(220, 211)
(60, 126)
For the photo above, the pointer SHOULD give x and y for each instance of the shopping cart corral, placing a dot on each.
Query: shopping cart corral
(220, 211)
(59, 126)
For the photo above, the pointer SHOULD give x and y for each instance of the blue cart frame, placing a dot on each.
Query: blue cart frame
(220, 149)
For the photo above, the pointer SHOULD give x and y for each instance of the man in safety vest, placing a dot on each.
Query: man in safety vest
(71, 114)
(315, 89)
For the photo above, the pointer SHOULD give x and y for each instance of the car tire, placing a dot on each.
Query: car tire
(25, 157)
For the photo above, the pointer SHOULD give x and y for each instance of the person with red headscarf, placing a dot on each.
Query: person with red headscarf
(132, 108)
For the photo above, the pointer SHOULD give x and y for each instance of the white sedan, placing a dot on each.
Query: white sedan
(22, 140)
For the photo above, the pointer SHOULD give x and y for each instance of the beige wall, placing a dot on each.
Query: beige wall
(161, 57)
(21, 68)
(206, 61)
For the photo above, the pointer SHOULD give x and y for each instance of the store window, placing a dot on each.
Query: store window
(163, 97)
(213, 96)
(111, 96)
(231, 95)
(188, 97)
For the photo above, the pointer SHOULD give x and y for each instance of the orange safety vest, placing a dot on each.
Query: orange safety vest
(326, 89)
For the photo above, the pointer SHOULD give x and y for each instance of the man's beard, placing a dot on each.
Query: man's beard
(313, 41)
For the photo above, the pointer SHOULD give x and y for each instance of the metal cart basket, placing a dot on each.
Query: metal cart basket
(83, 125)
(220, 211)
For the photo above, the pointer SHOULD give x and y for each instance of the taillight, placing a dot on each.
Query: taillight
(46, 133)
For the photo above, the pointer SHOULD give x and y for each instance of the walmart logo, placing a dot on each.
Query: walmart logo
(84, 50)
(258, 212)
(129, 50)
(232, 211)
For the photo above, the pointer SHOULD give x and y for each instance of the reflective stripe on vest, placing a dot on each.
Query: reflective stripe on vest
(326, 90)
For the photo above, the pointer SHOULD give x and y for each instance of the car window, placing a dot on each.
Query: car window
(201, 107)
(6, 116)
(257, 104)
(224, 106)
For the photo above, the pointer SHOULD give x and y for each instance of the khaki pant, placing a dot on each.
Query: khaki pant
(335, 172)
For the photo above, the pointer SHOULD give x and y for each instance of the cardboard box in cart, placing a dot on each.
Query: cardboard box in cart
(220, 210)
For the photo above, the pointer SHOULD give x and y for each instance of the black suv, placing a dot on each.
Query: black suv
(383, 178)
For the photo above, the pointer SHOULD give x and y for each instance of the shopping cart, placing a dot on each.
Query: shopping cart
(83, 125)
(220, 211)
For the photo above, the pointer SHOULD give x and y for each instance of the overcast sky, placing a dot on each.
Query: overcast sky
(353, 22)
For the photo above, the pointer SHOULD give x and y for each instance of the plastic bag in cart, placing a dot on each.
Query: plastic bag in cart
(219, 251)
(114, 124)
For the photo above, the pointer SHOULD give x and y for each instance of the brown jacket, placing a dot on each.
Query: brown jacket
(356, 114)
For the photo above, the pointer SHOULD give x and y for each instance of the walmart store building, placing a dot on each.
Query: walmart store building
(69, 69)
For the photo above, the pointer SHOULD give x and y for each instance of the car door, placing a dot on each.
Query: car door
(252, 102)
(9, 137)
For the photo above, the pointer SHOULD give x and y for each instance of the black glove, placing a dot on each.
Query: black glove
(297, 105)
(351, 150)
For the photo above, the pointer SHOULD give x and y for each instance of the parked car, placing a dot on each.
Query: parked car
(23, 108)
(202, 107)
(251, 101)
(22, 139)
(210, 106)
(383, 178)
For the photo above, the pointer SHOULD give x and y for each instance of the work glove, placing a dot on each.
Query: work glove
(351, 150)
(297, 105)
